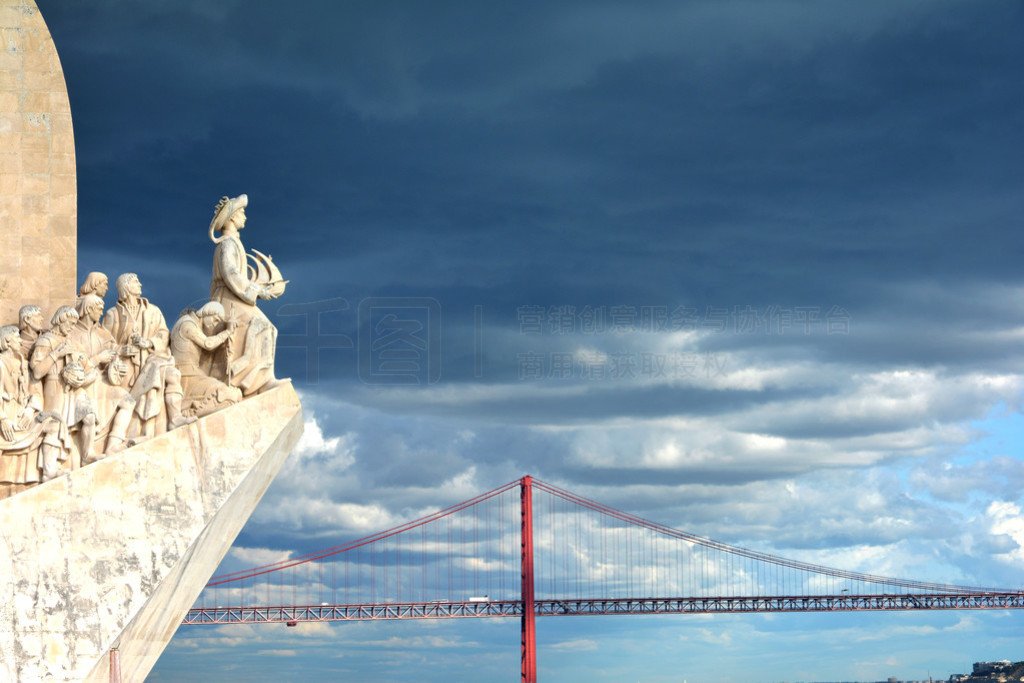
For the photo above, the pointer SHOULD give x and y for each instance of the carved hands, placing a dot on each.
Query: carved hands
(9, 428)
(104, 357)
(25, 418)
(128, 351)
(142, 342)
(75, 376)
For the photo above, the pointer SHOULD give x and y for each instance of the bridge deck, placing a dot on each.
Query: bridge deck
(570, 607)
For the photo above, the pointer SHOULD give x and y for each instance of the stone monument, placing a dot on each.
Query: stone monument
(130, 455)
(38, 190)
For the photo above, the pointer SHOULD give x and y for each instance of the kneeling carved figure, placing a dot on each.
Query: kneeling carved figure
(198, 338)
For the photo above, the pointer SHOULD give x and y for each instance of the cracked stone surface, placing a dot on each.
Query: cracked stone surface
(116, 553)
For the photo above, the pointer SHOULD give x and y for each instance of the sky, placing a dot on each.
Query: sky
(747, 269)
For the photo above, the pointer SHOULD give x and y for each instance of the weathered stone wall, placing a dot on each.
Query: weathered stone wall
(38, 188)
(114, 554)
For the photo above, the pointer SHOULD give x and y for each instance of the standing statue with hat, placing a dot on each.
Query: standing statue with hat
(239, 280)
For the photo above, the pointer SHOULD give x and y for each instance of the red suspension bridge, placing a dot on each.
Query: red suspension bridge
(529, 549)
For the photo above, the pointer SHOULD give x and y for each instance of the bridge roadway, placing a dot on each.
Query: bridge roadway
(292, 614)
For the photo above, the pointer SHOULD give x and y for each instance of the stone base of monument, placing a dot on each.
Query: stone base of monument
(114, 555)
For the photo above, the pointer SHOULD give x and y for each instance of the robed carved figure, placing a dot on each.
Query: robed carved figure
(237, 285)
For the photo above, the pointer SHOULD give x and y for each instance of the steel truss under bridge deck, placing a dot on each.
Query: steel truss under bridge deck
(576, 607)
(817, 603)
(368, 612)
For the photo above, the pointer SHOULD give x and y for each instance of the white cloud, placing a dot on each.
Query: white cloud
(337, 451)
(312, 441)
(1006, 526)
(710, 636)
(300, 512)
(258, 556)
(578, 645)
(418, 642)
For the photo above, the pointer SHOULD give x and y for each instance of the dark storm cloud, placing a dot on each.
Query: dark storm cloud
(403, 145)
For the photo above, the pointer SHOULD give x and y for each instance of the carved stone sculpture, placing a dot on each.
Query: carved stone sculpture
(237, 286)
(95, 283)
(112, 403)
(51, 355)
(79, 413)
(28, 436)
(30, 322)
(154, 382)
(137, 324)
(94, 383)
(198, 338)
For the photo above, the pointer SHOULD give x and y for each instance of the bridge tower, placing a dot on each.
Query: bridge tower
(527, 629)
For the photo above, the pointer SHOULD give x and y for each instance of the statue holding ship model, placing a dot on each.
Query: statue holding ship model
(237, 285)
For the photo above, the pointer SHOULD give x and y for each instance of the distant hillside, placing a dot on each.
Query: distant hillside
(1013, 672)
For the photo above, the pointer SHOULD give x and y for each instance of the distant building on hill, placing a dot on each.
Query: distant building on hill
(982, 668)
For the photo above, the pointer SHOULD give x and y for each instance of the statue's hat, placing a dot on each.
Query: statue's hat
(225, 207)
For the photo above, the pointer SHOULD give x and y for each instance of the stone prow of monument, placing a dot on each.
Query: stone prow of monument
(109, 556)
(114, 554)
